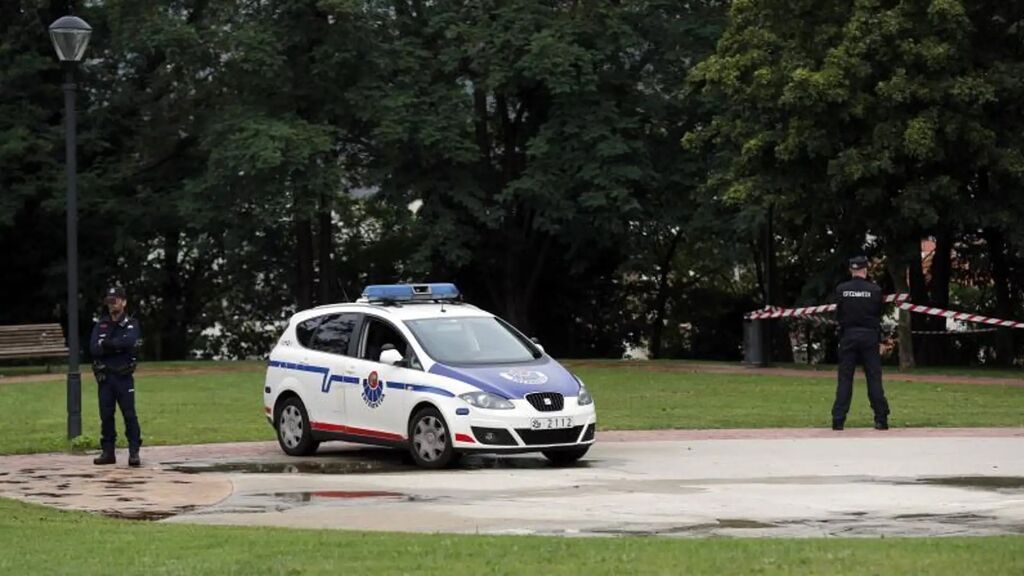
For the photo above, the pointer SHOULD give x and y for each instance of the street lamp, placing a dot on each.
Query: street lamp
(70, 37)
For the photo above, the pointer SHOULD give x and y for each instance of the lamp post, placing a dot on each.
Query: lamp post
(70, 37)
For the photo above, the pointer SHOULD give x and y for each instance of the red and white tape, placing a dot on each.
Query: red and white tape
(810, 310)
(962, 316)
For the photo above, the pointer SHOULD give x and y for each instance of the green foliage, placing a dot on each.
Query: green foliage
(239, 160)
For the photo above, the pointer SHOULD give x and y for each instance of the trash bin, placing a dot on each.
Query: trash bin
(755, 342)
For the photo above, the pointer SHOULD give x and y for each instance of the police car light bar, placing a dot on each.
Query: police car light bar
(410, 292)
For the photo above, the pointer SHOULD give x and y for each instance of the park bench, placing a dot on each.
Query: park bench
(32, 341)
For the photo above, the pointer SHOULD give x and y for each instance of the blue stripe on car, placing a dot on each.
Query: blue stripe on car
(325, 385)
(442, 370)
(495, 378)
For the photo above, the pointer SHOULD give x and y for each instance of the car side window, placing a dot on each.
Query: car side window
(331, 333)
(305, 330)
(377, 334)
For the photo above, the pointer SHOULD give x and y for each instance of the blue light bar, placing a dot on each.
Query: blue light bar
(411, 292)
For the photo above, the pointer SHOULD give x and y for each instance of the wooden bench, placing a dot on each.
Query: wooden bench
(32, 341)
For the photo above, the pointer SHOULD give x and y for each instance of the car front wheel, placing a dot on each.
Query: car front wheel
(430, 442)
(293, 431)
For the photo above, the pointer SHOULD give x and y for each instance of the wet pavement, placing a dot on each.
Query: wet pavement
(630, 484)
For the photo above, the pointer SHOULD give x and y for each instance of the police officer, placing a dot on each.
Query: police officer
(859, 311)
(115, 338)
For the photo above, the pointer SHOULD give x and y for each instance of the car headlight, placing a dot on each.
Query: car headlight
(486, 400)
(584, 397)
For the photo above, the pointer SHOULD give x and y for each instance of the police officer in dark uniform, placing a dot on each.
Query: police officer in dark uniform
(859, 311)
(114, 343)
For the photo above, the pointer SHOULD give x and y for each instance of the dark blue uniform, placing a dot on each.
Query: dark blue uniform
(859, 312)
(113, 346)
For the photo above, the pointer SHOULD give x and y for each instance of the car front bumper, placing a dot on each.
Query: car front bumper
(523, 428)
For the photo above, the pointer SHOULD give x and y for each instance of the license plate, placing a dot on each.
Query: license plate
(551, 423)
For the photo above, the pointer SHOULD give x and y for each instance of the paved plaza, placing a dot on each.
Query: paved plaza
(771, 483)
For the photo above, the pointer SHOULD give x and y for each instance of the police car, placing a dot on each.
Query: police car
(413, 367)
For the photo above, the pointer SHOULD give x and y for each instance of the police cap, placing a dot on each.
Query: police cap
(114, 292)
(858, 263)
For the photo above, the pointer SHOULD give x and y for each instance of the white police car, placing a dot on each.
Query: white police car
(410, 366)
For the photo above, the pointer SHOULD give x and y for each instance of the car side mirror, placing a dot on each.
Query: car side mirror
(391, 357)
(536, 342)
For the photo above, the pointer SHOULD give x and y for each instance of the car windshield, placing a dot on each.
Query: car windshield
(472, 340)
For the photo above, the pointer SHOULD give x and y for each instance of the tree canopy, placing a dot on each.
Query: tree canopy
(601, 174)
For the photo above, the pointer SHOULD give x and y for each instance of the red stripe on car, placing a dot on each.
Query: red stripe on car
(328, 427)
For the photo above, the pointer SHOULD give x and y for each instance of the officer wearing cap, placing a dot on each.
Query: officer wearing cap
(115, 338)
(859, 312)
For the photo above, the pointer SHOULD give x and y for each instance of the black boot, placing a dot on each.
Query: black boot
(881, 423)
(133, 458)
(837, 423)
(107, 457)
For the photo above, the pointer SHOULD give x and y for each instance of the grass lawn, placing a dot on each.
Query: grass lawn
(39, 540)
(632, 399)
(222, 402)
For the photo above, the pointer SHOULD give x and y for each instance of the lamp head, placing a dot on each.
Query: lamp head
(70, 37)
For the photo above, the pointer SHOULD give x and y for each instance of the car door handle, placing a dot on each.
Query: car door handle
(349, 370)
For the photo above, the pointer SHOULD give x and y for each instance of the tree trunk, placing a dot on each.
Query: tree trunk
(324, 251)
(661, 299)
(171, 343)
(918, 295)
(303, 263)
(1004, 300)
(898, 272)
(938, 295)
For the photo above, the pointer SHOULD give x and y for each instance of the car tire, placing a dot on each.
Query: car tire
(566, 456)
(294, 434)
(430, 440)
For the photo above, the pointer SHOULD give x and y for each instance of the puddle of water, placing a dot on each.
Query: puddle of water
(138, 514)
(299, 467)
(705, 529)
(979, 482)
(493, 462)
(310, 496)
(334, 464)
(742, 523)
(963, 517)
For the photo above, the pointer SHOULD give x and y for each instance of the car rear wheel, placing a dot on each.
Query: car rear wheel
(430, 442)
(293, 431)
(566, 456)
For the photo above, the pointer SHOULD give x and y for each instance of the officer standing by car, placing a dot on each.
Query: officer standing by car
(859, 312)
(114, 342)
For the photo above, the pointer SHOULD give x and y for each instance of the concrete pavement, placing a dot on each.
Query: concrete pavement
(801, 483)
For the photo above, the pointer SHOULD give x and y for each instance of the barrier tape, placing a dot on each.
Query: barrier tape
(890, 328)
(962, 316)
(810, 310)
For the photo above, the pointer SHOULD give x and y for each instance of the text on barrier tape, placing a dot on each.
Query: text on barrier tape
(810, 310)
